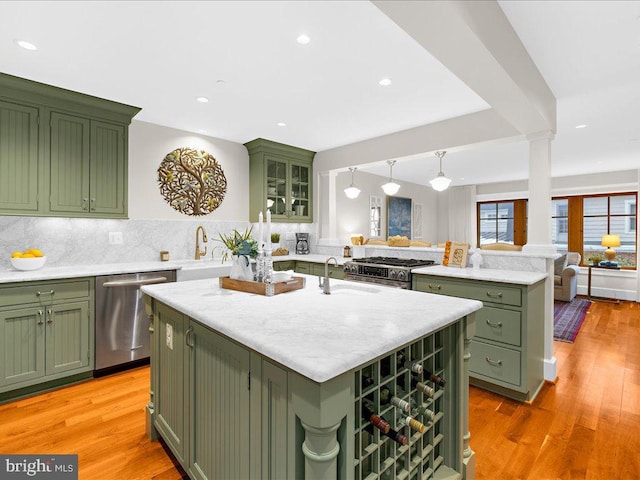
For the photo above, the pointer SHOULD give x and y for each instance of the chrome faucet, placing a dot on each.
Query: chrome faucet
(200, 254)
(324, 284)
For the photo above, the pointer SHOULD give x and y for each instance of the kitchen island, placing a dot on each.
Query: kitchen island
(247, 386)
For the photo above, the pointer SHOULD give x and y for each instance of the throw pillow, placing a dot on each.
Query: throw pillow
(559, 264)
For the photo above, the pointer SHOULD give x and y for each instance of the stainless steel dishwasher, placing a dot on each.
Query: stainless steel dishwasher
(122, 326)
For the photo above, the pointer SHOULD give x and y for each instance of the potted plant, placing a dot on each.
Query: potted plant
(242, 247)
(275, 241)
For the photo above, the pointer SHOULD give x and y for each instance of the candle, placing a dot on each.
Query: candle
(260, 231)
(268, 240)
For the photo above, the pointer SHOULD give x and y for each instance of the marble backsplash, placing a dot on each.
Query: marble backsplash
(82, 241)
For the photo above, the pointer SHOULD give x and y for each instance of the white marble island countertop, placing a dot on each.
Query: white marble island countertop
(484, 274)
(319, 336)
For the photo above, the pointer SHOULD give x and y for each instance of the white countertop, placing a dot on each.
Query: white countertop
(75, 271)
(319, 336)
(485, 274)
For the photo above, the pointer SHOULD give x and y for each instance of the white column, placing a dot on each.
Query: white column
(539, 233)
(325, 207)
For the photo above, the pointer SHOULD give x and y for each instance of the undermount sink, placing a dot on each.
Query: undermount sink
(201, 269)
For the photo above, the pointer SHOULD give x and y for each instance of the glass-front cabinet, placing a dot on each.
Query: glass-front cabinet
(280, 180)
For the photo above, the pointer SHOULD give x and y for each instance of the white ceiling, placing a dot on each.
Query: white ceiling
(161, 55)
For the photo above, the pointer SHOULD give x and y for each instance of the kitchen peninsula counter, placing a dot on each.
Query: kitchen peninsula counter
(248, 386)
(483, 274)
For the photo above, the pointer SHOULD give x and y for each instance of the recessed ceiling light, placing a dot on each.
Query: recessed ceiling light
(303, 39)
(581, 126)
(385, 82)
(220, 82)
(202, 99)
(281, 124)
(26, 45)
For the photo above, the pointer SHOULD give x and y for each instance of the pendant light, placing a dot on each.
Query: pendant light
(440, 183)
(352, 191)
(391, 187)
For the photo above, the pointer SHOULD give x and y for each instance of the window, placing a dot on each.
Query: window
(503, 222)
(375, 208)
(588, 217)
(560, 223)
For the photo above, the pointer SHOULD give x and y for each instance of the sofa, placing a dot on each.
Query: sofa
(565, 278)
(501, 246)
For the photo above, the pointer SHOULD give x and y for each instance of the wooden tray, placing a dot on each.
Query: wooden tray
(259, 288)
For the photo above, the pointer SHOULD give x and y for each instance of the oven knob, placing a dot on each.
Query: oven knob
(353, 268)
(402, 275)
(393, 273)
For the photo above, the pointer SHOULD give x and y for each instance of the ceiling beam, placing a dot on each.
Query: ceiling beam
(476, 42)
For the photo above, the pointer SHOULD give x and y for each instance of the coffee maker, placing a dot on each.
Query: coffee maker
(302, 243)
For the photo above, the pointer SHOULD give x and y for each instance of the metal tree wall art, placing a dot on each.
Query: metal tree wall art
(192, 181)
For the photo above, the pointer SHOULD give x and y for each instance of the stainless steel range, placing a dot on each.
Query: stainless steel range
(395, 272)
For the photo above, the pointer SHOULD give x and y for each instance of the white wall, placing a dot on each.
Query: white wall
(352, 215)
(148, 145)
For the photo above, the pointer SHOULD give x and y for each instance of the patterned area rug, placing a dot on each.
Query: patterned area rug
(567, 319)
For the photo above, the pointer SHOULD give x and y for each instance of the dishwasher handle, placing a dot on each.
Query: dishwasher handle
(135, 283)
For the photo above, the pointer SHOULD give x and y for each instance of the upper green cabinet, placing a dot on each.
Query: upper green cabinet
(62, 153)
(18, 158)
(281, 181)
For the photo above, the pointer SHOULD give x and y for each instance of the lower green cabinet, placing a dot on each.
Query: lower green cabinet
(284, 265)
(201, 379)
(303, 267)
(218, 397)
(46, 334)
(334, 271)
(171, 382)
(507, 352)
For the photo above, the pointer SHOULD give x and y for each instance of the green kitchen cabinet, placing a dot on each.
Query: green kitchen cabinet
(218, 368)
(507, 352)
(66, 152)
(193, 369)
(18, 158)
(171, 380)
(280, 180)
(87, 167)
(304, 267)
(46, 334)
(333, 270)
(284, 265)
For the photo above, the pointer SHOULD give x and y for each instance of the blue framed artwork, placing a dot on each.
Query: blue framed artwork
(398, 216)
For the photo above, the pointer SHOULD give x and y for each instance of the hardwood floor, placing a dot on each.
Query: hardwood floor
(586, 426)
(102, 420)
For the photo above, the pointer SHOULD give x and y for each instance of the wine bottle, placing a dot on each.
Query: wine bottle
(375, 420)
(392, 434)
(403, 362)
(366, 381)
(441, 382)
(413, 424)
(422, 387)
(425, 412)
(387, 397)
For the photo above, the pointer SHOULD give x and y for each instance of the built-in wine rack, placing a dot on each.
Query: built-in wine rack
(380, 457)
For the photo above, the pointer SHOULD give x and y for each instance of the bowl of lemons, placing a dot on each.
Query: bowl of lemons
(31, 259)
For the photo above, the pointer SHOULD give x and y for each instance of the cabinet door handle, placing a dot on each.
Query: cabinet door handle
(84, 203)
(496, 324)
(50, 292)
(435, 287)
(494, 295)
(49, 316)
(495, 363)
(92, 204)
(189, 337)
(40, 322)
